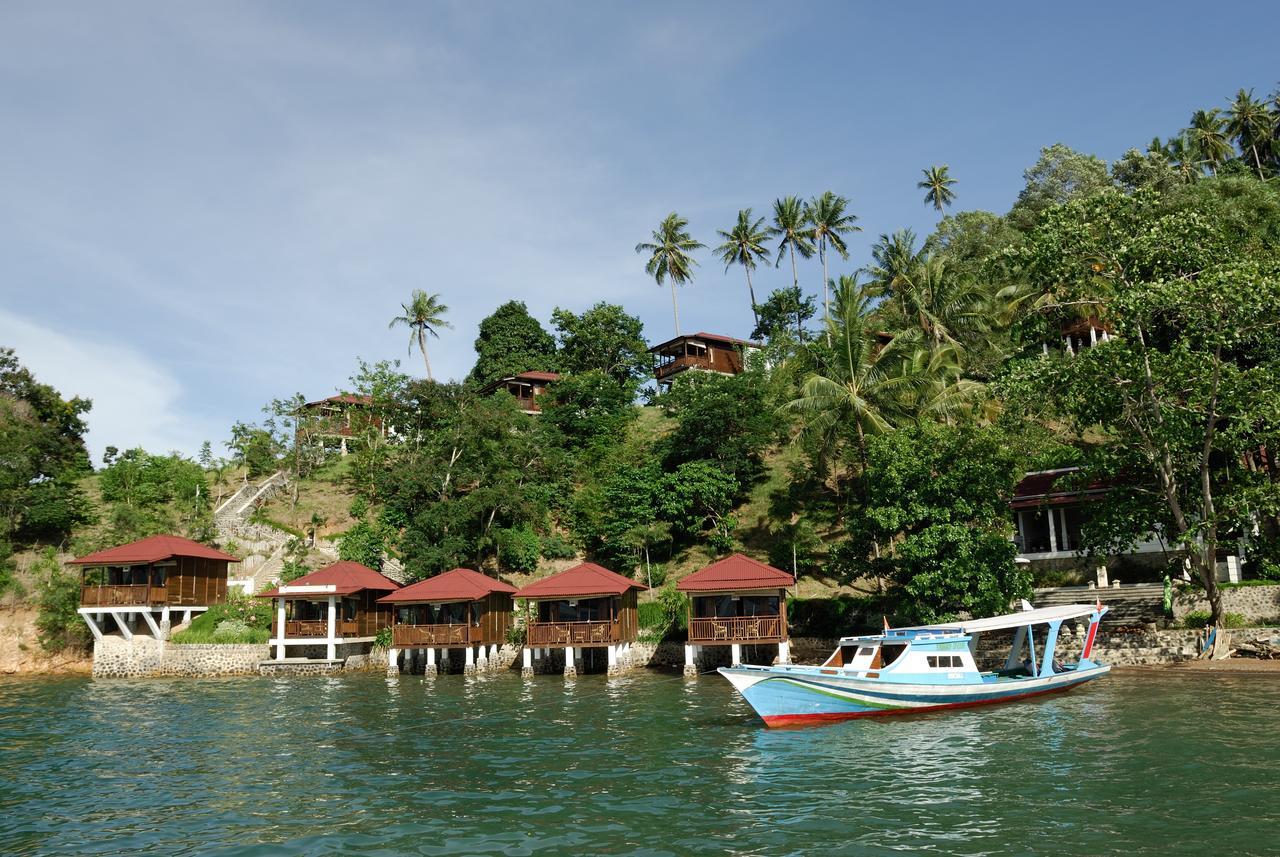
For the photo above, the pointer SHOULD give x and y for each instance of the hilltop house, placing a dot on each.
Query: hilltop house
(330, 613)
(149, 580)
(526, 387)
(460, 610)
(585, 608)
(736, 602)
(335, 421)
(707, 352)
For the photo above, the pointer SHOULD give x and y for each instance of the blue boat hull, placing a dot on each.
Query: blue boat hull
(794, 696)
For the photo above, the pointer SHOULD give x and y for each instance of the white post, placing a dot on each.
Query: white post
(469, 664)
(165, 625)
(1101, 576)
(528, 662)
(332, 646)
(1233, 568)
(151, 623)
(570, 658)
(280, 629)
(689, 657)
(493, 651)
(735, 651)
(93, 626)
(613, 655)
(1053, 530)
(123, 625)
(393, 661)
(431, 662)
(784, 652)
(482, 657)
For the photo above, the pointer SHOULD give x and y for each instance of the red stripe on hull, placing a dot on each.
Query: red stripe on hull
(785, 720)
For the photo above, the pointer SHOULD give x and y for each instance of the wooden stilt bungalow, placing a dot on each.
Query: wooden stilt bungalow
(460, 610)
(334, 607)
(736, 602)
(585, 607)
(149, 581)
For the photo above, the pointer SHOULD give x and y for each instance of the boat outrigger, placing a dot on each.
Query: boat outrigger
(925, 668)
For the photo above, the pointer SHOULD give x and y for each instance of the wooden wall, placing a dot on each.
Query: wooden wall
(196, 581)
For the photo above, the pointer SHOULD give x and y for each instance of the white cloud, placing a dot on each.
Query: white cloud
(135, 401)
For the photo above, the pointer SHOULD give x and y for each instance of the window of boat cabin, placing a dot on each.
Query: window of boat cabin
(889, 652)
(946, 662)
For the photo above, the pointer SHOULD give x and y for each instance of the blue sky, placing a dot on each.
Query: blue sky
(206, 206)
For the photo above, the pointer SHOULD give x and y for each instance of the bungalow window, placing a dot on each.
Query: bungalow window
(1050, 529)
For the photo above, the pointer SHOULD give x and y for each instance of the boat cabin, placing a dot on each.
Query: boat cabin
(585, 608)
(526, 387)
(330, 612)
(460, 610)
(147, 581)
(736, 602)
(708, 352)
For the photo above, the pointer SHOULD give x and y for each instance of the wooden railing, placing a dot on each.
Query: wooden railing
(736, 629)
(408, 636)
(528, 403)
(573, 633)
(664, 370)
(120, 595)
(316, 628)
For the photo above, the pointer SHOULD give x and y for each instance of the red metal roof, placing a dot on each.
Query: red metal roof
(1041, 489)
(712, 337)
(341, 399)
(734, 573)
(152, 549)
(345, 577)
(578, 582)
(460, 584)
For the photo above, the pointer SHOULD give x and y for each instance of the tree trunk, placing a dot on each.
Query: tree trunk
(752, 292)
(675, 308)
(422, 346)
(826, 296)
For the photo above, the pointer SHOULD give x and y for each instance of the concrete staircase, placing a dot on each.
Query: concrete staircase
(1131, 603)
(261, 547)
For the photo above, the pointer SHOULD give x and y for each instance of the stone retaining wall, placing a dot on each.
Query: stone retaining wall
(115, 657)
(1253, 603)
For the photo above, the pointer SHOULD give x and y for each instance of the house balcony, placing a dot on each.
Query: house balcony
(664, 371)
(123, 595)
(726, 630)
(432, 636)
(601, 633)
(312, 629)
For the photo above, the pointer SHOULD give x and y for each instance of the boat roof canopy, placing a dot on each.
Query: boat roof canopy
(1038, 616)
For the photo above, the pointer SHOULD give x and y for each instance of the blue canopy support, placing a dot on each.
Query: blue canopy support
(1050, 643)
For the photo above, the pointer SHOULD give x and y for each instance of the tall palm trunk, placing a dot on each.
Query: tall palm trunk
(752, 292)
(422, 346)
(826, 289)
(675, 308)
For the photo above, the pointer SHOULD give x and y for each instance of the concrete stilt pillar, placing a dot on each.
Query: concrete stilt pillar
(280, 629)
(493, 652)
(527, 669)
(331, 648)
(570, 661)
(469, 662)
(482, 657)
(784, 652)
(690, 659)
(430, 667)
(735, 653)
(393, 661)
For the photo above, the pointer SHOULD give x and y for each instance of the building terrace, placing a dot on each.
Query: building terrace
(708, 352)
(526, 387)
(460, 609)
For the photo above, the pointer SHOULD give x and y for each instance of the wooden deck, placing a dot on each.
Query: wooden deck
(602, 633)
(314, 628)
(736, 629)
(123, 595)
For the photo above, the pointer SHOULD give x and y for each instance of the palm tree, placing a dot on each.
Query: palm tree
(895, 259)
(789, 222)
(937, 185)
(1181, 154)
(860, 386)
(829, 222)
(669, 257)
(423, 314)
(1249, 122)
(743, 245)
(1208, 138)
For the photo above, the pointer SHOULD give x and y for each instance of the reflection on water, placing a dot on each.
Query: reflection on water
(1143, 763)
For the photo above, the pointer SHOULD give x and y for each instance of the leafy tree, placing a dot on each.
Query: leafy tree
(829, 221)
(206, 455)
(698, 496)
(590, 410)
(512, 341)
(423, 314)
(723, 420)
(153, 494)
(784, 310)
(1060, 174)
(669, 258)
(363, 542)
(1152, 170)
(58, 624)
(744, 245)
(518, 548)
(790, 227)
(937, 185)
(1187, 388)
(630, 504)
(605, 338)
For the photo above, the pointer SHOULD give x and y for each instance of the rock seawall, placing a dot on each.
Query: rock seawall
(1253, 603)
(115, 657)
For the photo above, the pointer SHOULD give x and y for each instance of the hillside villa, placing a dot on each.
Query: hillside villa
(526, 387)
(460, 610)
(706, 352)
(330, 614)
(736, 602)
(581, 610)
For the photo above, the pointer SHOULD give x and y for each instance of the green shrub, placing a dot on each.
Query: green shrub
(382, 639)
(58, 624)
(231, 629)
(242, 619)
(1200, 619)
(665, 616)
(363, 543)
(828, 617)
(519, 548)
(556, 546)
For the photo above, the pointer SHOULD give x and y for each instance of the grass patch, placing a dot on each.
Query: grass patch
(241, 620)
(1200, 618)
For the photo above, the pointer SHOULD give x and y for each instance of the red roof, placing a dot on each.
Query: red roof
(341, 399)
(734, 573)
(1041, 489)
(345, 577)
(460, 584)
(578, 582)
(152, 549)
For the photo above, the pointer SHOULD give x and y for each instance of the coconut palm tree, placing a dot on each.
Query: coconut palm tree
(829, 222)
(1182, 155)
(423, 314)
(1249, 123)
(937, 186)
(895, 258)
(1208, 138)
(860, 386)
(790, 226)
(669, 258)
(743, 245)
